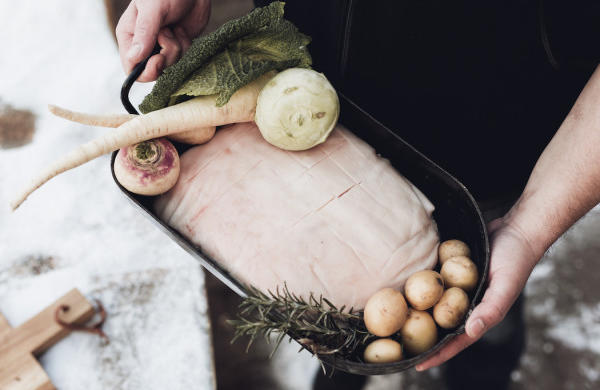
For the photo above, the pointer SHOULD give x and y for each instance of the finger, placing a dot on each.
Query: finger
(145, 32)
(124, 34)
(153, 69)
(488, 313)
(447, 352)
(501, 294)
(182, 38)
(195, 22)
(170, 47)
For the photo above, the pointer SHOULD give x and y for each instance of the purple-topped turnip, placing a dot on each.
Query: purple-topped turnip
(148, 168)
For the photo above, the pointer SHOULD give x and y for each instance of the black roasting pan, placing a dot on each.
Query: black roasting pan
(456, 214)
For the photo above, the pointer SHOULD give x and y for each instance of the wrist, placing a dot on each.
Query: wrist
(538, 223)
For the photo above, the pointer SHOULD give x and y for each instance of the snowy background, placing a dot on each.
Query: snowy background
(79, 231)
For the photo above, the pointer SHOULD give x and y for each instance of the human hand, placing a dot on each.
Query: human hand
(512, 261)
(173, 23)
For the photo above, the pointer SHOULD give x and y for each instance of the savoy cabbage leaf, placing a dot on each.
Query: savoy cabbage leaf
(236, 53)
(276, 48)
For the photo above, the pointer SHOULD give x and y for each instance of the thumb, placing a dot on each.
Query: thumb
(145, 34)
(498, 298)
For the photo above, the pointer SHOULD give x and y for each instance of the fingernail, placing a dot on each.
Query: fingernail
(476, 328)
(134, 51)
(419, 368)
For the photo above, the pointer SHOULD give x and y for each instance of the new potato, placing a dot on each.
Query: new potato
(385, 312)
(461, 272)
(451, 309)
(383, 351)
(424, 289)
(419, 332)
(452, 248)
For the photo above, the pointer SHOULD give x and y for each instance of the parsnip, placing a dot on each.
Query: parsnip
(113, 120)
(196, 136)
(192, 114)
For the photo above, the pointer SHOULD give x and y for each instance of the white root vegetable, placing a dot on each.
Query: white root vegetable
(113, 120)
(149, 167)
(195, 136)
(201, 111)
(297, 109)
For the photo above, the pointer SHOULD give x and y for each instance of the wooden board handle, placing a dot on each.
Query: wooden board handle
(42, 331)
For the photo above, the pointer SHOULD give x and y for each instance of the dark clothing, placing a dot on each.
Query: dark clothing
(474, 85)
(480, 87)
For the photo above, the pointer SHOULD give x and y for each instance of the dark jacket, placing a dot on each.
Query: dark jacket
(480, 87)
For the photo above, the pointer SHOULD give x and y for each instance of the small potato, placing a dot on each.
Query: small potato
(424, 289)
(383, 351)
(419, 332)
(385, 312)
(461, 272)
(451, 309)
(452, 248)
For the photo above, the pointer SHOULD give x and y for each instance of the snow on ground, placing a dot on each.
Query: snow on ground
(79, 230)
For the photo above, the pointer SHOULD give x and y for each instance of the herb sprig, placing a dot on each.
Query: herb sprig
(316, 323)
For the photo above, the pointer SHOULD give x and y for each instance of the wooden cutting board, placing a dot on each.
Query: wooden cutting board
(19, 370)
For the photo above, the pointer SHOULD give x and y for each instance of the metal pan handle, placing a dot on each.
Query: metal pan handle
(135, 73)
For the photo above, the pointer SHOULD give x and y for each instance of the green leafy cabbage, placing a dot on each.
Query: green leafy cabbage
(232, 56)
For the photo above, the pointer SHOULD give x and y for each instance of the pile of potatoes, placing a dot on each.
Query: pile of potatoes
(408, 323)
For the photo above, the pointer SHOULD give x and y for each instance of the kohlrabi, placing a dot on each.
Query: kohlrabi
(297, 109)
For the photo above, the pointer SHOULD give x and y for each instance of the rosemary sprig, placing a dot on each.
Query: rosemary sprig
(316, 323)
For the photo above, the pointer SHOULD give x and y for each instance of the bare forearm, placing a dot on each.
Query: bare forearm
(565, 182)
(563, 186)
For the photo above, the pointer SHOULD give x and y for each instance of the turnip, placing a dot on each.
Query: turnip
(297, 109)
(148, 168)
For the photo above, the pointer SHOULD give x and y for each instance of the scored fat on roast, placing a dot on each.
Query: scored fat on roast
(336, 220)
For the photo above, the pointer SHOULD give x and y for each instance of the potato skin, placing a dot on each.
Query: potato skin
(383, 351)
(385, 312)
(424, 289)
(452, 248)
(451, 309)
(461, 272)
(419, 332)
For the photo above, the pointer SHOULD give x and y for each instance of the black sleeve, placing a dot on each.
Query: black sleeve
(324, 21)
(573, 31)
